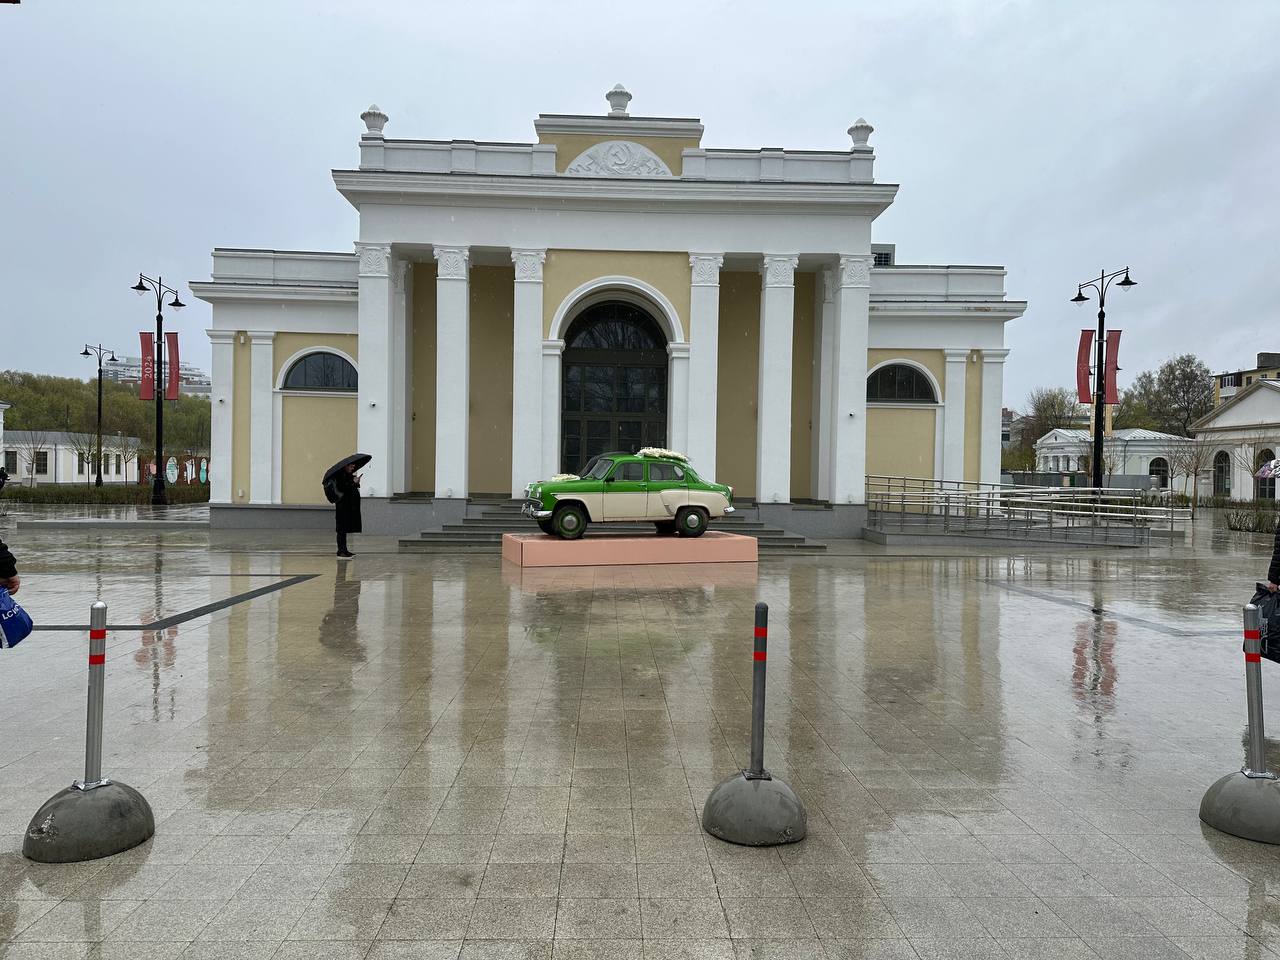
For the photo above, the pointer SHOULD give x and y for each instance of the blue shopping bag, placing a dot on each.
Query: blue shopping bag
(15, 623)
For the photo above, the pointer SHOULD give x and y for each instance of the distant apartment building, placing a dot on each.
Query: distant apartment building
(192, 381)
(1227, 385)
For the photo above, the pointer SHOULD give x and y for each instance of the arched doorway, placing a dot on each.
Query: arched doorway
(1264, 488)
(1159, 468)
(613, 389)
(1221, 474)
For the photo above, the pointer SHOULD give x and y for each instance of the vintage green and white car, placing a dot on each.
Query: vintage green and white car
(652, 485)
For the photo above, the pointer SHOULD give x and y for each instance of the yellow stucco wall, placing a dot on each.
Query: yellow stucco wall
(241, 414)
(973, 416)
(287, 345)
(738, 377)
(423, 371)
(489, 427)
(802, 389)
(570, 145)
(317, 431)
(900, 441)
(566, 270)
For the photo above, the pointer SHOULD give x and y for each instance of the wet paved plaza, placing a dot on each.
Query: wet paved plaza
(410, 756)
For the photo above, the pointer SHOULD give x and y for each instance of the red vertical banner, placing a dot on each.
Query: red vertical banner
(171, 365)
(1083, 394)
(146, 390)
(1111, 394)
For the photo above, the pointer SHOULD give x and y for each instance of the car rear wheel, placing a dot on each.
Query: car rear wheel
(666, 528)
(691, 521)
(569, 522)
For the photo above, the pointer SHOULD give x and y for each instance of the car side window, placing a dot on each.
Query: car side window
(630, 471)
(665, 471)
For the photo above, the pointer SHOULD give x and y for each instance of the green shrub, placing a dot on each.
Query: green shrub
(1252, 519)
(118, 493)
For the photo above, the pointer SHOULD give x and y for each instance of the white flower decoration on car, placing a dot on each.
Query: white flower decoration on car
(662, 452)
(560, 477)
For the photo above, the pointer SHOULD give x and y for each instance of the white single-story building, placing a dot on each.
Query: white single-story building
(1130, 457)
(1242, 433)
(50, 456)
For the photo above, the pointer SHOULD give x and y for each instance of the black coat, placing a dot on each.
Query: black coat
(347, 509)
(8, 566)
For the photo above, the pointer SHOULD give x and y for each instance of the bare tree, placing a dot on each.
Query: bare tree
(1190, 458)
(126, 448)
(1246, 454)
(85, 447)
(29, 444)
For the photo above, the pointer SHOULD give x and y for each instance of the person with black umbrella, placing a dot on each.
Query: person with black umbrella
(342, 489)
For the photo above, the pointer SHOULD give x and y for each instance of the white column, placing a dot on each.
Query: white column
(992, 403)
(526, 370)
(261, 417)
(453, 370)
(953, 404)
(773, 433)
(849, 380)
(678, 391)
(400, 366)
(823, 337)
(551, 351)
(375, 399)
(221, 415)
(704, 359)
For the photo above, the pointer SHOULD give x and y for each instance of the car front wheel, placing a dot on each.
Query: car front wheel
(569, 522)
(546, 526)
(691, 522)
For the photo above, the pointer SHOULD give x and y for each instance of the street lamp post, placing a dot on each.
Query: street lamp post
(1099, 392)
(145, 284)
(98, 351)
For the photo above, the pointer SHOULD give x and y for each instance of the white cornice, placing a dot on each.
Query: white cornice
(366, 186)
(1002, 310)
(682, 127)
(224, 291)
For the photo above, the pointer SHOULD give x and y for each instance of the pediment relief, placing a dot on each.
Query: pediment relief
(618, 158)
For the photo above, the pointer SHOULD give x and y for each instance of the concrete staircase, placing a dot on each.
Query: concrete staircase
(487, 520)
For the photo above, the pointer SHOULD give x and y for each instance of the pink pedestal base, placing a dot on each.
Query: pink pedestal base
(602, 550)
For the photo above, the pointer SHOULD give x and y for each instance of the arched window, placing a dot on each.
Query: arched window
(1159, 468)
(1222, 474)
(322, 371)
(1264, 488)
(899, 383)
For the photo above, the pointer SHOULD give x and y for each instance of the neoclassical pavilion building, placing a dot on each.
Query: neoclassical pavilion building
(511, 309)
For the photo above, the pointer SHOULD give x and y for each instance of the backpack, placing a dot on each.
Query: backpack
(1268, 605)
(15, 623)
(331, 490)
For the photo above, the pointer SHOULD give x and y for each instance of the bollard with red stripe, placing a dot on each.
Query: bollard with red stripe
(760, 656)
(1256, 761)
(1246, 803)
(753, 807)
(97, 671)
(97, 816)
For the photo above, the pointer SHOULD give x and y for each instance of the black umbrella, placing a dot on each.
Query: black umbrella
(359, 459)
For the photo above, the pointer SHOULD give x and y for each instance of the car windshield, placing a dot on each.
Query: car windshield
(600, 470)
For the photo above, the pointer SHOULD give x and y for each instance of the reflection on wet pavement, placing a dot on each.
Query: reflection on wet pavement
(433, 756)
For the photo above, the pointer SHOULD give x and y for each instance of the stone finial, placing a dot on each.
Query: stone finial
(861, 132)
(374, 120)
(618, 99)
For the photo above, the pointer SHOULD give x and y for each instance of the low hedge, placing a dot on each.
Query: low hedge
(115, 493)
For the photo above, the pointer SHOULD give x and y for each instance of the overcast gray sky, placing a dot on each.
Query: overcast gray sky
(1053, 138)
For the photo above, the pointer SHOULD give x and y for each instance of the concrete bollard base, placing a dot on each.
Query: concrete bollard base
(1247, 807)
(754, 812)
(75, 825)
